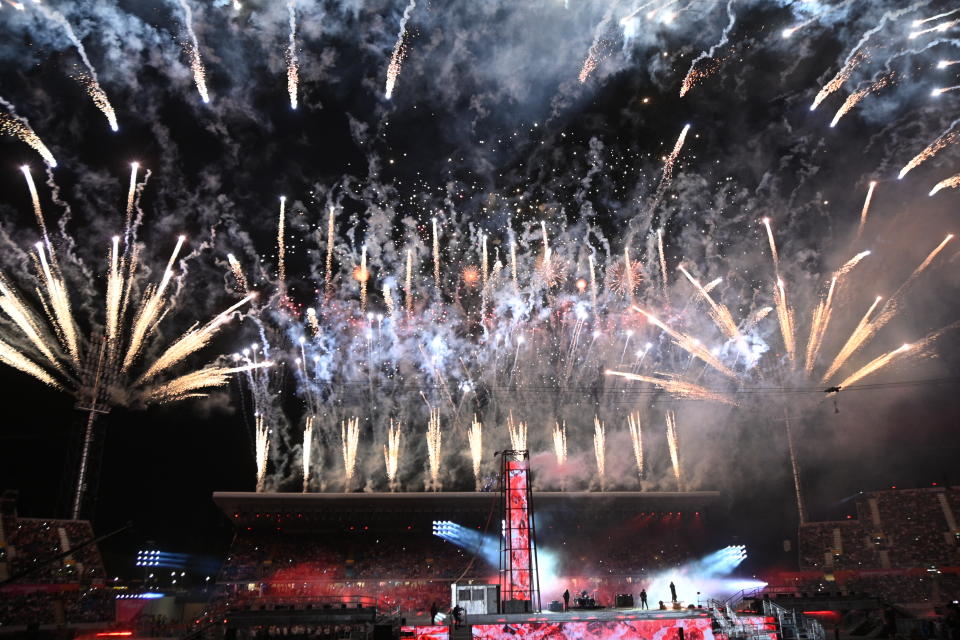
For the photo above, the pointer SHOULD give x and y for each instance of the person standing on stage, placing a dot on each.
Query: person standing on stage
(643, 599)
(673, 592)
(433, 612)
(566, 599)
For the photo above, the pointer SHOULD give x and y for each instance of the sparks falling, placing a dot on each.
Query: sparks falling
(293, 63)
(698, 71)
(949, 183)
(237, 270)
(13, 125)
(518, 434)
(945, 140)
(399, 51)
(866, 207)
(193, 51)
(837, 81)
(859, 95)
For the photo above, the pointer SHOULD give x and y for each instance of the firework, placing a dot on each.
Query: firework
(475, 440)
(193, 51)
(13, 125)
(399, 52)
(362, 275)
(782, 307)
(718, 312)
(131, 195)
(859, 95)
(674, 385)
(874, 365)
(282, 247)
(35, 199)
(663, 261)
(560, 442)
(408, 283)
(674, 447)
(434, 449)
(636, 437)
(949, 183)
(689, 344)
(518, 434)
(349, 436)
(88, 79)
(262, 452)
(237, 272)
(818, 326)
(695, 74)
(866, 207)
(307, 452)
(599, 48)
(391, 454)
(293, 64)
(388, 299)
(939, 16)
(189, 385)
(940, 28)
(943, 64)
(945, 140)
(667, 176)
(331, 230)
(436, 256)
(942, 90)
(599, 449)
(837, 81)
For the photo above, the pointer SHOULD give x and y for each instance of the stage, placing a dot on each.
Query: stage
(599, 624)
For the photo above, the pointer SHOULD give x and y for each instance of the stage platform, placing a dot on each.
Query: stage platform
(586, 615)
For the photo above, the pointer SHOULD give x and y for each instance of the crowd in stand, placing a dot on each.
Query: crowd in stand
(913, 532)
(77, 605)
(31, 541)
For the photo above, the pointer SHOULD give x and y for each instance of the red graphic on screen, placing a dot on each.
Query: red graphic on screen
(426, 632)
(518, 527)
(693, 629)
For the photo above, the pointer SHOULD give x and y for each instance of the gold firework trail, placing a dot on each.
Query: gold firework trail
(391, 454)
(636, 437)
(349, 436)
(364, 275)
(313, 321)
(293, 64)
(18, 127)
(950, 183)
(599, 449)
(818, 326)
(408, 283)
(436, 256)
(475, 440)
(674, 446)
(935, 147)
(560, 442)
(237, 270)
(35, 199)
(131, 196)
(187, 385)
(282, 248)
(307, 452)
(674, 385)
(866, 207)
(150, 307)
(193, 50)
(518, 434)
(859, 335)
(663, 261)
(263, 451)
(434, 448)
(940, 28)
(399, 51)
(854, 98)
(842, 76)
(329, 264)
(388, 299)
(874, 365)
(14, 358)
(719, 313)
(689, 344)
(784, 312)
(60, 312)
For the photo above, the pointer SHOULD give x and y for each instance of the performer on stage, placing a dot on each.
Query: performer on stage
(566, 599)
(643, 599)
(673, 592)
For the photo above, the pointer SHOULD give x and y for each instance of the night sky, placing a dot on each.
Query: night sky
(490, 127)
